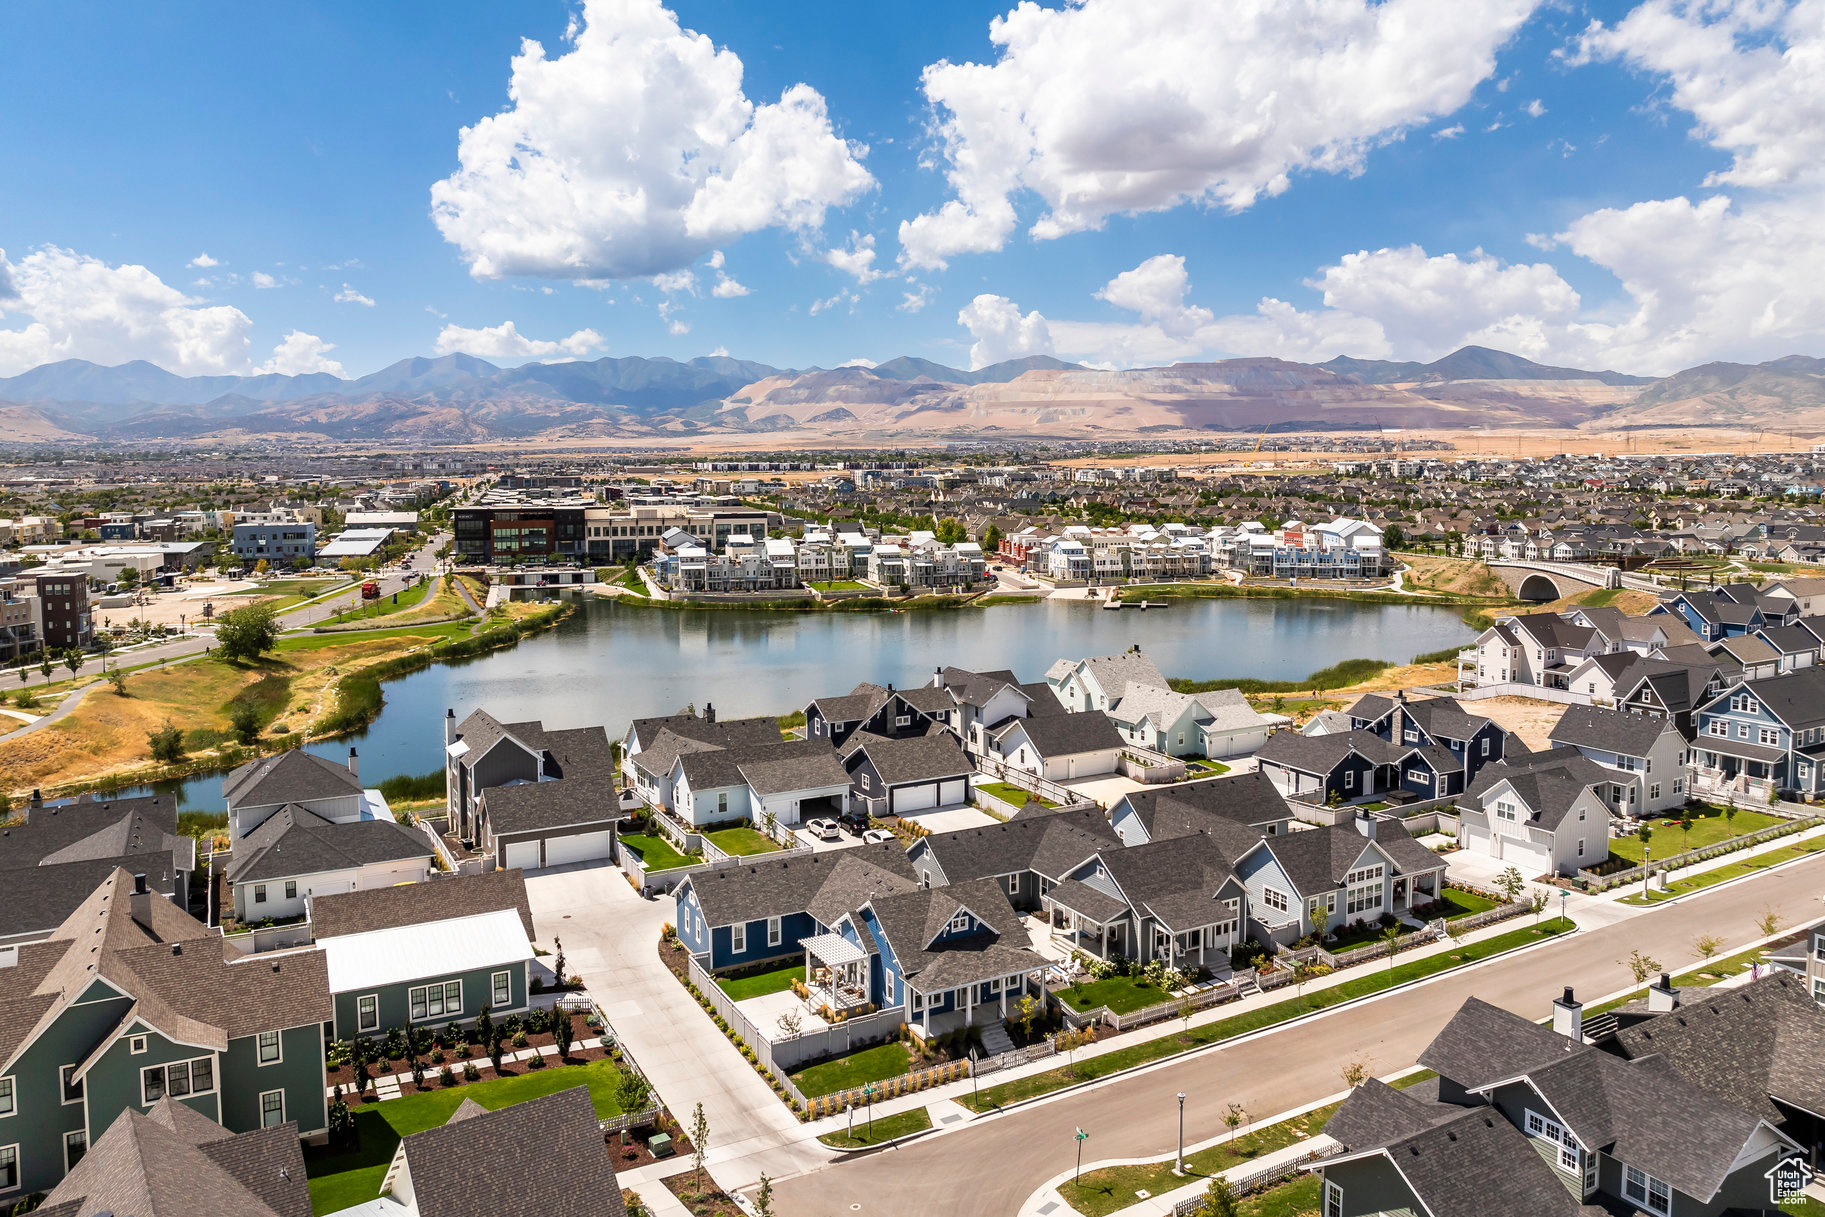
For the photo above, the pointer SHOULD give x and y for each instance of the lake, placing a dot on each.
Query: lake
(610, 664)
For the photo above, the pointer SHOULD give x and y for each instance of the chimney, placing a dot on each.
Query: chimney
(354, 764)
(37, 797)
(1662, 996)
(938, 677)
(1366, 826)
(709, 712)
(1568, 1016)
(449, 726)
(139, 903)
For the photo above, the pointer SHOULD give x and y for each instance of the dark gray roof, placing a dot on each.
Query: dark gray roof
(1610, 730)
(467, 1168)
(1054, 735)
(979, 688)
(1318, 859)
(437, 899)
(39, 898)
(89, 829)
(1050, 843)
(1549, 783)
(1797, 698)
(1678, 685)
(854, 707)
(910, 920)
(167, 1161)
(295, 776)
(294, 842)
(1470, 1162)
(544, 806)
(1790, 639)
(1177, 881)
(1080, 897)
(1182, 808)
(919, 758)
(1484, 1044)
(1408, 855)
(1320, 754)
(927, 699)
(664, 740)
(1552, 630)
(1376, 1114)
(830, 882)
(771, 768)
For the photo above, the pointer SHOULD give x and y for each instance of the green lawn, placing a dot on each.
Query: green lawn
(1707, 830)
(1463, 903)
(340, 1180)
(632, 581)
(741, 841)
(1122, 994)
(840, 585)
(290, 592)
(1013, 795)
(1723, 874)
(885, 1129)
(446, 631)
(888, 1060)
(656, 852)
(1375, 981)
(384, 607)
(759, 984)
(1206, 769)
(1349, 937)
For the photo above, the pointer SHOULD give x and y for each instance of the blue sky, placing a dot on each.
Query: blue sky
(1393, 179)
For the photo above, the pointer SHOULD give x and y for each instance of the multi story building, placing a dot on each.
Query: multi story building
(64, 619)
(277, 538)
(503, 528)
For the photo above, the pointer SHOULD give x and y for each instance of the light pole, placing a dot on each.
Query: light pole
(1647, 868)
(1082, 1136)
(1562, 895)
(1178, 1164)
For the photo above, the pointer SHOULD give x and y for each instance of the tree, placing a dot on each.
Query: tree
(45, 663)
(167, 743)
(1511, 884)
(485, 1034)
(632, 1091)
(1234, 1117)
(1355, 1073)
(950, 531)
(1770, 922)
(1219, 1199)
(118, 679)
(261, 567)
(763, 1198)
(1645, 834)
(344, 1133)
(244, 721)
(700, 1141)
(1640, 966)
(991, 539)
(563, 1034)
(1188, 1006)
(72, 659)
(1391, 936)
(1730, 813)
(1706, 945)
(1394, 537)
(1685, 824)
(245, 634)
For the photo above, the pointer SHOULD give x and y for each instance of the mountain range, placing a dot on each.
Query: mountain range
(463, 399)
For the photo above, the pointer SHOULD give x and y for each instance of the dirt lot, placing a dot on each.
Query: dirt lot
(1531, 720)
(1461, 576)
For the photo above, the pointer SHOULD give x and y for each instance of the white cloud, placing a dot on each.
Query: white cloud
(678, 329)
(349, 295)
(1451, 132)
(203, 262)
(635, 151)
(857, 362)
(1534, 108)
(720, 353)
(1001, 332)
(1429, 306)
(727, 288)
(261, 279)
(78, 307)
(675, 282)
(1122, 106)
(842, 297)
(917, 298)
(504, 341)
(857, 258)
(298, 353)
(1156, 290)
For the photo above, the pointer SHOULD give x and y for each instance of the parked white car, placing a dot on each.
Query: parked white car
(824, 830)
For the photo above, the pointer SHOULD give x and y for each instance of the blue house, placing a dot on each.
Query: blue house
(1434, 722)
(1714, 615)
(1759, 736)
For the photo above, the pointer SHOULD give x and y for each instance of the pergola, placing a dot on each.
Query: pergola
(840, 971)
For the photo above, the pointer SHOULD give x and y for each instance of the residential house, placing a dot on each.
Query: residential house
(788, 781)
(1632, 634)
(131, 1001)
(1807, 958)
(1100, 682)
(1540, 812)
(263, 787)
(887, 712)
(1542, 649)
(1645, 757)
(1323, 879)
(171, 1158)
(1028, 855)
(1181, 809)
(1179, 901)
(1058, 747)
(1713, 615)
(1672, 688)
(896, 777)
(1594, 680)
(296, 854)
(530, 796)
(467, 1168)
(651, 747)
(431, 953)
(768, 908)
(1759, 737)
(53, 855)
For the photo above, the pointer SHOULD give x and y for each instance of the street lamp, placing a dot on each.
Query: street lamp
(1562, 894)
(1178, 1165)
(1082, 1136)
(1647, 868)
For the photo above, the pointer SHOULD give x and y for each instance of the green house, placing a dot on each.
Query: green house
(133, 1001)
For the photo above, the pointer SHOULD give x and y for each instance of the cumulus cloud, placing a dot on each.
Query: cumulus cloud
(261, 279)
(504, 341)
(299, 353)
(678, 329)
(1451, 132)
(727, 288)
(857, 362)
(916, 298)
(857, 258)
(1001, 332)
(78, 307)
(349, 295)
(1122, 106)
(1534, 108)
(633, 152)
(203, 262)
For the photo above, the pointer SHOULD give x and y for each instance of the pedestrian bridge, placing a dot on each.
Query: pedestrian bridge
(1539, 582)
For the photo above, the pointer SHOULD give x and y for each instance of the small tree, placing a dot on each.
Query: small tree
(632, 1091)
(1355, 1073)
(245, 634)
(72, 659)
(763, 1198)
(558, 965)
(418, 1072)
(1770, 922)
(1730, 813)
(118, 679)
(1511, 884)
(1685, 825)
(167, 743)
(1640, 966)
(1025, 1011)
(45, 664)
(1706, 945)
(1188, 1006)
(244, 721)
(344, 1133)
(790, 1024)
(700, 1141)
(1645, 834)
(1538, 904)
(563, 1035)
(1219, 1198)
(361, 1053)
(484, 1027)
(1234, 1117)
(1391, 936)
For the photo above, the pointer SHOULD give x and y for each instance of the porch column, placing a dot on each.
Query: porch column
(969, 1006)
(1004, 996)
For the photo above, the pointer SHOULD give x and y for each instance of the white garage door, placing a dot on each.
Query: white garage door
(955, 792)
(583, 847)
(915, 798)
(1528, 858)
(524, 854)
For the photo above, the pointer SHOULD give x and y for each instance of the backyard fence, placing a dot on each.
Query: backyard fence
(1260, 1179)
(1634, 874)
(272, 937)
(889, 1088)
(1019, 1056)
(632, 1119)
(664, 881)
(995, 767)
(1148, 767)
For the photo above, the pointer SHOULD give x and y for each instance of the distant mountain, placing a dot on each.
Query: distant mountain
(1785, 392)
(911, 367)
(1467, 363)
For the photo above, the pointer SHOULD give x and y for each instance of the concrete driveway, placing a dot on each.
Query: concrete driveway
(1105, 791)
(950, 819)
(610, 937)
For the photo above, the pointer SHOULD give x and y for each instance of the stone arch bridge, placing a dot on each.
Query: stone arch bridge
(1539, 582)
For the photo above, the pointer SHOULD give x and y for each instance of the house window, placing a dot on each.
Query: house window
(902, 720)
(1274, 899)
(136, 1045)
(75, 1145)
(9, 1097)
(1654, 791)
(722, 804)
(1718, 727)
(1646, 1190)
(1580, 847)
(1333, 1200)
(888, 987)
(259, 893)
(291, 889)
(738, 937)
(1485, 745)
(1616, 794)
(1420, 776)
(958, 924)
(1410, 736)
(773, 931)
(1770, 736)
(178, 1080)
(272, 1108)
(435, 1001)
(270, 1051)
(1679, 785)
(367, 1013)
(72, 1085)
(9, 1167)
(1349, 779)
(1506, 811)
(1012, 883)
(1742, 731)
(502, 985)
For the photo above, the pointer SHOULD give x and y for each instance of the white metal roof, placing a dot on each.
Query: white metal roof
(834, 949)
(412, 952)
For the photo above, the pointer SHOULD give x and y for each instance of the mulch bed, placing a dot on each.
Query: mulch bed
(585, 1047)
(677, 957)
(711, 1202)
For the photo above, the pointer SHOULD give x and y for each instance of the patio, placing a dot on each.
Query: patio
(836, 971)
(766, 1011)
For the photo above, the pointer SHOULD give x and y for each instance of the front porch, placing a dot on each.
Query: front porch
(1081, 918)
(937, 1011)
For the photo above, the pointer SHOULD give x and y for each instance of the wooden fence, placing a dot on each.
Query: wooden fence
(837, 1101)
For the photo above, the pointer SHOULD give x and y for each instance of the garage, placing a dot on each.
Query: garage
(523, 854)
(579, 847)
(957, 791)
(915, 798)
(1528, 858)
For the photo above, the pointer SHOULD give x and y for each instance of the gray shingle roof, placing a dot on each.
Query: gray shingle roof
(1177, 880)
(1318, 859)
(295, 776)
(1484, 1044)
(1549, 783)
(1115, 673)
(543, 806)
(1051, 843)
(1473, 1163)
(436, 899)
(1609, 730)
(293, 842)
(467, 1168)
(1797, 698)
(921, 758)
(679, 735)
(1057, 735)
(1244, 798)
(910, 920)
(830, 882)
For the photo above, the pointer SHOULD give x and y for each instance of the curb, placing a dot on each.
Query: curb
(1268, 1030)
(849, 1151)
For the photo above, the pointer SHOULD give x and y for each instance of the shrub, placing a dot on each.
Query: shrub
(394, 1045)
(445, 1077)
(511, 1026)
(437, 1056)
(538, 1021)
(167, 743)
(470, 1072)
(452, 1034)
(519, 1039)
(536, 1062)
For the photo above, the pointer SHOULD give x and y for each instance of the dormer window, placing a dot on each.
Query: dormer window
(959, 924)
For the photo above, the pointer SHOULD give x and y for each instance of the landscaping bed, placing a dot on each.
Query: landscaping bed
(880, 1130)
(585, 1048)
(710, 1201)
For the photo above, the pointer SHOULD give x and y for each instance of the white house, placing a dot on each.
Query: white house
(1539, 812)
(1645, 757)
(1059, 747)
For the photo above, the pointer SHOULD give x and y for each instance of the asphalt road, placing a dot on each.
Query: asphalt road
(991, 1167)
